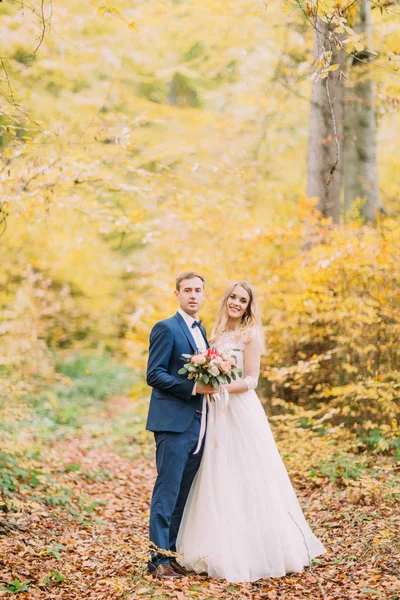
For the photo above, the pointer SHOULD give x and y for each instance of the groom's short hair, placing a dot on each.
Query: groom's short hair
(187, 275)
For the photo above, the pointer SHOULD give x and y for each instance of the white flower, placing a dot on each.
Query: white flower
(214, 371)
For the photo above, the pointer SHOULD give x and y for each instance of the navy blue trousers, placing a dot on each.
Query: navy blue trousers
(176, 468)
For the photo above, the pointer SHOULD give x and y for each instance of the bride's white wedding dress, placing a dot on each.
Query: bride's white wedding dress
(242, 520)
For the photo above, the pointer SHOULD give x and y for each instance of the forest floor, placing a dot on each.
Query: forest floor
(86, 538)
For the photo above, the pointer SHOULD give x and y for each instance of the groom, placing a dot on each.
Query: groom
(174, 417)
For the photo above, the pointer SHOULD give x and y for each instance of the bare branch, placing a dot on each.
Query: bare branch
(335, 164)
(4, 67)
(3, 218)
(45, 24)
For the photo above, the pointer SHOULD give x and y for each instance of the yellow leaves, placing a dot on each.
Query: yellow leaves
(112, 10)
(323, 65)
(382, 445)
(119, 586)
(333, 67)
(354, 42)
(348, 368)
(145, 207)
(311, 8)
(109, 9)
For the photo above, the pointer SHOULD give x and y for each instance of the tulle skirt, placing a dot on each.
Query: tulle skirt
(242, 520)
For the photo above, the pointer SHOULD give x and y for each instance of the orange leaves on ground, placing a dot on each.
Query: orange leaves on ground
(102, 555)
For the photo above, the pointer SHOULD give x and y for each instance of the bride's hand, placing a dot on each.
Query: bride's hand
(206, 389)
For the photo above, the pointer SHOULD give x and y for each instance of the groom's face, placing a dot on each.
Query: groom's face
(190, 295)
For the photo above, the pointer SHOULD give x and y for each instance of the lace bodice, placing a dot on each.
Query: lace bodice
(231, 343)
(246, 355)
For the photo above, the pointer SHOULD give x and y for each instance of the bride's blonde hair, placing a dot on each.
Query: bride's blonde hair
(250, 323)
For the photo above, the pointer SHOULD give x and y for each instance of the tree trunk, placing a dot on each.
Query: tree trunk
(324, 178)
(361, 173)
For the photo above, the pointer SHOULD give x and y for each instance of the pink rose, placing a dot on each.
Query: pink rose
(228, 358)
(198, 359)
(214, 368)
(226, 366)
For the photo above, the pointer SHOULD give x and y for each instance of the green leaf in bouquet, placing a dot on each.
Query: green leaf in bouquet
(215, 383)
(182, 371)
(239, 373)
(205, 378)
(222, 379)
(233, 375)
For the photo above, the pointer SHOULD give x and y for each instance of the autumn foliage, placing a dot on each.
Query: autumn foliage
(130, 152)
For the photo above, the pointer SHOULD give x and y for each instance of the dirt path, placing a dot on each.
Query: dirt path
(89, 539)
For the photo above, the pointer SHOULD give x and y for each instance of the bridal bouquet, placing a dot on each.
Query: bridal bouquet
(210, 367)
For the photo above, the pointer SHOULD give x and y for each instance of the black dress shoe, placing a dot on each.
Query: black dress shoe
(165, 571)
(179, 569)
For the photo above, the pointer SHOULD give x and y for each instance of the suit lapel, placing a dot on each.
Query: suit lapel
(186, 331)
(203, 331)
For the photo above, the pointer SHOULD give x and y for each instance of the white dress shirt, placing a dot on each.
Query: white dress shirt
(196, 334)
(199, 340)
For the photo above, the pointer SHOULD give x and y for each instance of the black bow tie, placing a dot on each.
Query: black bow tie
(196, 324)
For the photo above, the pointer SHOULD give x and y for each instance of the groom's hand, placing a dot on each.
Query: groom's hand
(205, 389)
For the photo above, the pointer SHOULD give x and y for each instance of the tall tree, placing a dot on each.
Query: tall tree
(326, 121)
(361, 173)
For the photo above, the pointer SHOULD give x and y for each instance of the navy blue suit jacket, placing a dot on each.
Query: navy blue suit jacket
(172, 405)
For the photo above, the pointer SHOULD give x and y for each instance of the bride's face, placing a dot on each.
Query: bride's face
(237, 302)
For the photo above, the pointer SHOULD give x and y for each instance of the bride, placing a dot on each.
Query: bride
(242, 520)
